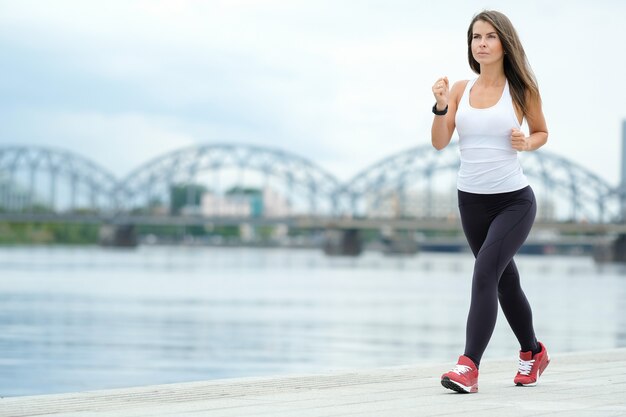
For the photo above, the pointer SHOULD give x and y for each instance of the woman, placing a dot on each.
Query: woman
(496, 204)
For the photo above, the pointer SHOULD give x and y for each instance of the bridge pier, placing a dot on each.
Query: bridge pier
(343, 242)
(619, 249)
(124, 235)
(399, 244)
(614, 251)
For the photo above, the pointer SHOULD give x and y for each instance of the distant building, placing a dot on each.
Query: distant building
(274, 204)
(245, 203)
(545, 208)
(417, 204)
(213, 205)
(411, 204)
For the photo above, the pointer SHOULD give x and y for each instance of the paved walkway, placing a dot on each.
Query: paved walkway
(577, 384)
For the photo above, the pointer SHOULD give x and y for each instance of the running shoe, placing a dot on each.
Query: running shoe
(531, 367)
(463, 378)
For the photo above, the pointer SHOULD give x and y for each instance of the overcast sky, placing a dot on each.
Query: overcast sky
(342, 82)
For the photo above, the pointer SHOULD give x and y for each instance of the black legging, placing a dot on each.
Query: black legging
(496, 226)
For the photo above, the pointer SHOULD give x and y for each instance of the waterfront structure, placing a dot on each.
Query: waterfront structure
(416, 183)
(251, 186)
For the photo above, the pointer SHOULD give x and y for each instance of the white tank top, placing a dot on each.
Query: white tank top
(489, 164)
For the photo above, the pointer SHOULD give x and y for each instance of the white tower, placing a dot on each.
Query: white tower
(622, 186)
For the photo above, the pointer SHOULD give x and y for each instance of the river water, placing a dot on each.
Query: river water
(74, 319)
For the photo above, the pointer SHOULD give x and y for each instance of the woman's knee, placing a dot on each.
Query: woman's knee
(508, 285)
(485, 279)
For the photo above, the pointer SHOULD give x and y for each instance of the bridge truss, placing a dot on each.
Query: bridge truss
(421, 182)
(46, 179)
(220, 179)
(283, 184)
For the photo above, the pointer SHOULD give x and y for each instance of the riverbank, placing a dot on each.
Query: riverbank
(575, 384)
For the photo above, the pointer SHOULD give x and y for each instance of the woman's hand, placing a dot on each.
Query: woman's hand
(519, 141)
(441, 91)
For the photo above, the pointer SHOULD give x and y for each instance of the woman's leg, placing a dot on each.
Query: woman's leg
(511, 217)
(516, 308)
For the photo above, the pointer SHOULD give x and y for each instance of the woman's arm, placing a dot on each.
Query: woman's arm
(443, 126)
(537, 129)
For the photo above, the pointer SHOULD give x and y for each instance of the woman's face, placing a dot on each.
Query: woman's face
(486, 45)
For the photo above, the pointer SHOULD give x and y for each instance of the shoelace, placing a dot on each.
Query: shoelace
(525, 366)
(461, 369)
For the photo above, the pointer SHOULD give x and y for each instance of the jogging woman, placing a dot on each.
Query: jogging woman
(496, 204)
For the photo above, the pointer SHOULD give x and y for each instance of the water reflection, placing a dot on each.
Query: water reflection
(78, 319)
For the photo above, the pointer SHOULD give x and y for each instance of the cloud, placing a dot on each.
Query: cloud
(342, 83)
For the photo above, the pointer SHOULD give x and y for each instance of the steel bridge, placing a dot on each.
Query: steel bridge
(223, 181)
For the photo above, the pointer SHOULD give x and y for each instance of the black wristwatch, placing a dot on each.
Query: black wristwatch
(440, 112)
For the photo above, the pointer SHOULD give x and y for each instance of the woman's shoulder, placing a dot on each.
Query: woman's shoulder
(458, 88)
(460, 84)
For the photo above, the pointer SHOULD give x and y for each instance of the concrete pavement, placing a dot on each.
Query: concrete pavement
(575, 384)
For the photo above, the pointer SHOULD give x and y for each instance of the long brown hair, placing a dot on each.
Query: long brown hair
(517, 70)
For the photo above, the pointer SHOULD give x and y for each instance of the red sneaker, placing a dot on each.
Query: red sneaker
(463, 378)
(531, 367)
